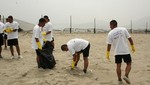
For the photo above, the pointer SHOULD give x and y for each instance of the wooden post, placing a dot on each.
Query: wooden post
(3, 19)
(131, 26)
(70, 24)
(146, 27)
(94, 25)
(41, 16)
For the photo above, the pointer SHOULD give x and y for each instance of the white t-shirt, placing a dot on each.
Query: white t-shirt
(76, 45)
(36, 34)
(13, 25)
(47, 28)
(1, 27)
(118, 39)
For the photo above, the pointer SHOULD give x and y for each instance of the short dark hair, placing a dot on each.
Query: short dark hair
(46, 17)
(42, 20)
(11, 17)
(63, 47)
(113, 22)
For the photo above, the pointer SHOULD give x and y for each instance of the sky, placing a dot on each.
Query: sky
(82, 11)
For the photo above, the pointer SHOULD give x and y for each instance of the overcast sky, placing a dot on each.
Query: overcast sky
(82, 11)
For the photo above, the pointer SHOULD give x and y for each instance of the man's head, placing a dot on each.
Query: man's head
(42, 22)
(10, 19)
(64, 47)
(46, 18)
(113, 24)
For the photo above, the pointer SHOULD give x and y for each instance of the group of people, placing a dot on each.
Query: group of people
(9, 32)
(117, 38)
(43, 32)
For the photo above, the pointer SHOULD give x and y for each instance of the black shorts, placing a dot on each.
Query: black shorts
(12, 42)
(86, 51)
(1, 39)
(126, 58)
(5, 36)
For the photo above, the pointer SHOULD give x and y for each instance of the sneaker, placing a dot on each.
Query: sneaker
(126, 79)
(20, 56)
(12, 57)
(120, 82)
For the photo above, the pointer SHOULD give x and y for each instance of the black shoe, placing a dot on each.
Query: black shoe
(84, 70)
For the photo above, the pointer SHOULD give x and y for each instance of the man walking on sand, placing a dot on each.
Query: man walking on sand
(76, 47)
(117, 38)
(11, 28)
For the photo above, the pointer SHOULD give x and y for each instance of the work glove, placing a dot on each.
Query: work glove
(43, 33)
(107, 55)
(8, 30)
(133, 49)
(44, 39)
(73, 65)
(39, 45)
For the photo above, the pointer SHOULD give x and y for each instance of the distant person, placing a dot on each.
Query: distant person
(76, 47)
(5, 36)
(1, 36)
(48, 31)
(37, 40)
(117, 38)
(11, 28)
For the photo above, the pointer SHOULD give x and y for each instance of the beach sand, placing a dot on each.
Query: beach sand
(100, 72)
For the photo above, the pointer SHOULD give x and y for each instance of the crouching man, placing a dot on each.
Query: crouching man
(76, 47)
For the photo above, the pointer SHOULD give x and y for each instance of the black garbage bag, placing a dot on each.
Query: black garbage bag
(46, 58)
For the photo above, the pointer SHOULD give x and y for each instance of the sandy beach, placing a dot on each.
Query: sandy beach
(100, 72)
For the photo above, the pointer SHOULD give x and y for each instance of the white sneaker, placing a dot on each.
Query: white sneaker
(12, 57)
(20, 56)
(120, 82)
(126, 79)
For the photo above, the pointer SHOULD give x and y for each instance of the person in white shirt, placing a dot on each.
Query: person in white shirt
(5, 36)
(1, 36)
(11, 28)
(76, 47)
(48, 31)
(37, 40)
(117, 38)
